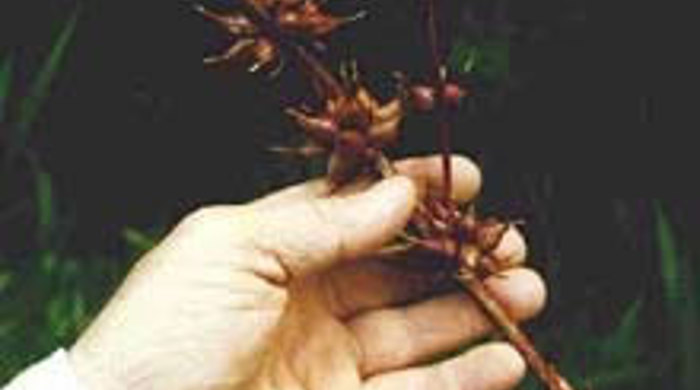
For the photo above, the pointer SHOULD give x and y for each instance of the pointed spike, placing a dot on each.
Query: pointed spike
(278, 69)
(354, 18)
(305, 151)
(319, 129)
(328, 87)
(385, 132)
(199, 8)
(390, 110)
(233, 51)
(207, 13)
(255, 67)
(366, 100)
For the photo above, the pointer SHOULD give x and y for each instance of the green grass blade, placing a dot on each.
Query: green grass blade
(30, 106)
(681, 294)
(487, 59)
(137, 239)
(690, 344)
(5, 84)
(620, 348)
(689, 329)
(670, 262)
(626, 376)
(44, 205)
(5, 280)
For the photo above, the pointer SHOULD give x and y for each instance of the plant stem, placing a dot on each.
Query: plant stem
(331, 87)
(547, 372)
(467, 277)
(439, 75)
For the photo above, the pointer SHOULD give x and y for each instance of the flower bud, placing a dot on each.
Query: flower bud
(452, 95)
(422, 97)
(351, 143)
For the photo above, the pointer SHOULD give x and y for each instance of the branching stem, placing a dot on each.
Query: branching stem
(468, 278)
(439, 76)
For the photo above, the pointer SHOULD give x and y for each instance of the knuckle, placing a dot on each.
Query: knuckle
(201, 216)
(209, 217)
(511, 362)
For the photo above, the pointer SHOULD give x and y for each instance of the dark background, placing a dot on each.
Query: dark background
(587, 130)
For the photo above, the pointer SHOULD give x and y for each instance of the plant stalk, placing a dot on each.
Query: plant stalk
(439, 76)
(547, 372)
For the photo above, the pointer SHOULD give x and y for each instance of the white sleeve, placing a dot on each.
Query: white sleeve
(54, 372)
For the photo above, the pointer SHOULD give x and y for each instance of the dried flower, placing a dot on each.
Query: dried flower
(251, 46)
(353, 129)
(257, 36)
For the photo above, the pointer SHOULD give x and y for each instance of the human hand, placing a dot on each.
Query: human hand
(290, 293)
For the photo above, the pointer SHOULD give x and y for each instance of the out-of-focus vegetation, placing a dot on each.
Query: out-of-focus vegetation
(47, 296)
(626, 358)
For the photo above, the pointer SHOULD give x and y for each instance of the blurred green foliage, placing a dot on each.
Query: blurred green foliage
(682, 297)
(623, 359)
(488, 60)
(46, 296)
(31, 104)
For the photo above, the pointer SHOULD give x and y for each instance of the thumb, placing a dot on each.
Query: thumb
(310, 234)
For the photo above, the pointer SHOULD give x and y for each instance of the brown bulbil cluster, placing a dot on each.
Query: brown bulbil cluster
(461, 236)
(305, 17)
(353, 129)
(256, 31)
(251, 45)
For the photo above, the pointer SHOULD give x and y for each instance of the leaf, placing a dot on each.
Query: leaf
(79, 312)
(627, 375)
(463, 57)
(681, 293)
(690, 346)
(58, 316)
(5, 84)
(489, 59)
(30, 105)
(5, 280)
(137, 239)
(48, 263)
(689, 330)
(620, 348)
(670, 262)
(44, 205)
(8, 327)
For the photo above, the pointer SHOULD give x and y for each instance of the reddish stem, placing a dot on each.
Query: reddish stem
(438, 81)
(545, 371)
(330, 85)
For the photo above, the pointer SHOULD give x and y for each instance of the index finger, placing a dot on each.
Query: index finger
(426, 173)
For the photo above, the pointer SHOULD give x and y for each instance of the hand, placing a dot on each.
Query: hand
(290, 293)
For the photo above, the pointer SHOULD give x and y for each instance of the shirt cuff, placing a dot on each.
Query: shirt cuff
(55, 372)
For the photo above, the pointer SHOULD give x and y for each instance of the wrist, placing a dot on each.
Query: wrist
(101, 360)
(90, 373)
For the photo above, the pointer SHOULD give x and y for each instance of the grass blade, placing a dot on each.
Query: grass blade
(5, 84)
(138, 240)
(690, 342)
(670, 261)
(620, 348)
(44, 206)
(30, 106)
(681, 294)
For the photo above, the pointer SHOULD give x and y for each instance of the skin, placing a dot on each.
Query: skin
(292, 292)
